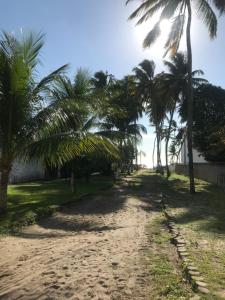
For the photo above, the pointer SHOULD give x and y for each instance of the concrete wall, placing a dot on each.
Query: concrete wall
(197, 157)
(22, 172)
(214, 173)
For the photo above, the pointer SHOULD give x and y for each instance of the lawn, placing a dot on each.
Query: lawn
(201, 218)
(163, 264)
(30, 201)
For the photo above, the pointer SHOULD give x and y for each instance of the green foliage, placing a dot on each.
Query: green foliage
(50, 120)
(209, 122)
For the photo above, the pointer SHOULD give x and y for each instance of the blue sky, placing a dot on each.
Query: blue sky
(95, 34)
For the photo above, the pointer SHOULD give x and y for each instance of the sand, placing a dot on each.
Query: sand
(89, 250)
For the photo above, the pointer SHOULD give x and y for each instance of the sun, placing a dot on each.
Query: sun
(157, 50)
(165, 26)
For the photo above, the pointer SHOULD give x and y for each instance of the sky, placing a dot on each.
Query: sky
(95, 34)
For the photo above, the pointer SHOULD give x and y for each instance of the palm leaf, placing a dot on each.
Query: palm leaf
(152, 35)
(208, 16)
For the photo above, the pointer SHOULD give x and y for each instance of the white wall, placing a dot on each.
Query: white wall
(197, 157)
(22, 172)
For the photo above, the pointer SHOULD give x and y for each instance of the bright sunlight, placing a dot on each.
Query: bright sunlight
(157, 50)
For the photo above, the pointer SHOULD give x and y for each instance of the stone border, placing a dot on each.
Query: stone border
(191, 272)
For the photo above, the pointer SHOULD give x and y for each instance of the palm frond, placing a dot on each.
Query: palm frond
(220, 5)
(146, 5)
(150, 12)
(175, 35)
(30, 47)
(170, 9)
(61, 148)
(152, 35)
(208, 16)
(43, 85)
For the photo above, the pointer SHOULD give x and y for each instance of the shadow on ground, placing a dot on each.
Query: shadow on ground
(206, 207)
(87, 214)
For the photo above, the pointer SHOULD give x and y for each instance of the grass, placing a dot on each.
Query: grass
(161, 259)
(163, 264)
(201, 218)
(29, 202)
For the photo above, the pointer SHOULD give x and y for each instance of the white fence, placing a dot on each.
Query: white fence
(211, 172)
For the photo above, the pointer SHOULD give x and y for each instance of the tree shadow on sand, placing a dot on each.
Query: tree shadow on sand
(87, 213)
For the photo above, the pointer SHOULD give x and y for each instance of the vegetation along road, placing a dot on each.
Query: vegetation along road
(110, 246)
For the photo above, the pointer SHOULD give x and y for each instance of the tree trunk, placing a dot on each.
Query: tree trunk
(4, 181)
(136, 149)
(190, 100)
(158, 149)
(72, 182)
(167, 140)
(153, 154)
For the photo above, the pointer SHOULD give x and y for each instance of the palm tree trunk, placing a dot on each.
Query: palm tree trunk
(153, 153)
(158, 149)
(136, 150)
(4, 181)
(167, 140)
(72, 181)
(190, 100)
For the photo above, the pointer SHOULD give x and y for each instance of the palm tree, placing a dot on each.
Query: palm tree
(141, 154)
(149, 92)
(178, 11)
(39, 119)
(156, 110)
(20, 98)
(118, 119)
(144, 74)
(175, 84)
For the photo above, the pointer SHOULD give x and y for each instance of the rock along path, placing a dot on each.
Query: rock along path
(89, 250)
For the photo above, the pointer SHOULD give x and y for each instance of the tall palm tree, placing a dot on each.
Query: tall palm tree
(144, 74)
(118, 120)
(174, 85)
(156, 110)
(38, 119)
(180, 11)
(148, 90)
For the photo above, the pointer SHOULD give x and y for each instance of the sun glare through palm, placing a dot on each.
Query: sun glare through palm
(157, 50)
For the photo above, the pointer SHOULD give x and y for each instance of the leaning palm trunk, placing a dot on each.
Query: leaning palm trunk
(190, 100)
(167, 140)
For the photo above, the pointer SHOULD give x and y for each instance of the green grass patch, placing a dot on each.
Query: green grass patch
(201, 218)
(29, 202)
(166, 272)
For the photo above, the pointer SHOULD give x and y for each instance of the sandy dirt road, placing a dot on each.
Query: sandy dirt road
(90, 250)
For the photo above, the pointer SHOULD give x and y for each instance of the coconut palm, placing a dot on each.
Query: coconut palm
(39, 120)
(156, 110)
(149, 92)
(144, 74)
(20, 99)
(175, 84)
(180, 12)
(119, 119)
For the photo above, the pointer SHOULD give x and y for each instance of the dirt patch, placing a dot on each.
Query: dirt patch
(90, 250)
